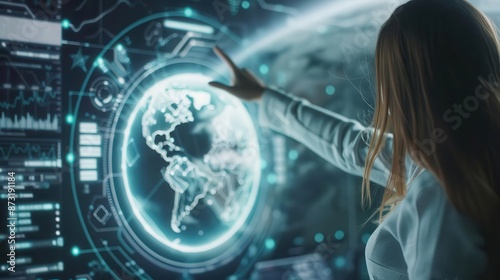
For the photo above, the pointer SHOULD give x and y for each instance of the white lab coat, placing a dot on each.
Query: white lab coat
(424, 237)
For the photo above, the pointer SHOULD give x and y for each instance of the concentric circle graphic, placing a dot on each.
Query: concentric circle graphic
(208, 166)
(170, 182)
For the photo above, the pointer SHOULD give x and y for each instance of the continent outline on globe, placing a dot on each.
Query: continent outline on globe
(226, 176)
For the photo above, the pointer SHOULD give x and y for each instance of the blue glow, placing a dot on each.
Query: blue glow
(293, 154)
(271, 178)
(65, 24)
(99, 62)
(319, 237)
(185, 26)
(339, 234)
(365, 237)
(188, 12)
(102, 66)
(119, 47)
(136, 206)
(330, 90)
(75, 251)
(69, 118)
(245, 5)
(70, 157)
(340, 262)
(264, 69)
(263, 164)
(270, 243)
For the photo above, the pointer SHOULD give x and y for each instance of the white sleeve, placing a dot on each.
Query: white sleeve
(341, 141)
(437, 241)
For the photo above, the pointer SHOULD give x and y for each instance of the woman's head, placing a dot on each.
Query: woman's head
(438, 92)
(431, 57)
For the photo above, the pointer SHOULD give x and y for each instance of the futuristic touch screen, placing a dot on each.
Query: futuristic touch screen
(125, 164)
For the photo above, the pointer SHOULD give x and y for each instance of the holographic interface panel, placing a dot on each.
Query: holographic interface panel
(119, 161)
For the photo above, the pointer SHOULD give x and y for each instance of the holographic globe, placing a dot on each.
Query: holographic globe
(202, 146)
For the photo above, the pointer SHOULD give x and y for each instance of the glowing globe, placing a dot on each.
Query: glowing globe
(202, 146)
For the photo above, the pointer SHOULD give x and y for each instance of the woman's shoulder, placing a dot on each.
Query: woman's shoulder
(427, 196)
(426, 185)
(431, 230)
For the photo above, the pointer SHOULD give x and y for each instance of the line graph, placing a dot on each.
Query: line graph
(38, 110)
(103, 14)
(31, 151)
(23, 100)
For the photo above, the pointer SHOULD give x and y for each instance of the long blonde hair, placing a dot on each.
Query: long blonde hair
(438, 78)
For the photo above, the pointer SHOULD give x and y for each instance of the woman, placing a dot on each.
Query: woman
(434, 142)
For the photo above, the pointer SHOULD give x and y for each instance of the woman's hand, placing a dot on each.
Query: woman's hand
(245, 84)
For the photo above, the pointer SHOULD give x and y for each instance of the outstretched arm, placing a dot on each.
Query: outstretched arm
(339, 140)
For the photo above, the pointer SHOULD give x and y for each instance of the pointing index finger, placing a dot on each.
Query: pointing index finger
(228, 60)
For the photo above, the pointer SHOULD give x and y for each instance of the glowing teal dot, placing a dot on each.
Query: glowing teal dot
(69, 119)
(270, 243)
(99, 61)
(272, 179)
(340, 262)
(365, 237)
(293, 154)
(70, 157)
(119, 47)
(263, 164)
(245, 4)
(188, 12)
(65, 24)
(264, 69)
(319, 237)
(339, 234)
(330, 90)
(75, 251)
